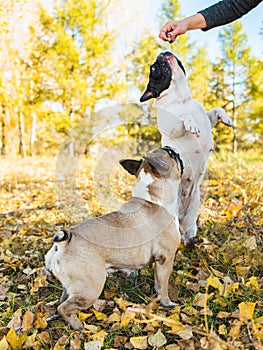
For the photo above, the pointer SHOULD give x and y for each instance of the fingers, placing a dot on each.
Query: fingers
(166, 33)
(171, 30)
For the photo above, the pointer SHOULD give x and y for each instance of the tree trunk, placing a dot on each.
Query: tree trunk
(3, 129)
(234, 135)
(22, 145)
(71, 133)
(33, 133)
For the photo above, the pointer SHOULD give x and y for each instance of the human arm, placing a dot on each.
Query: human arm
(221, 13)
(226, 11)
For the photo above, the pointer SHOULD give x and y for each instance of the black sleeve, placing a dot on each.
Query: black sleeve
(227, 11)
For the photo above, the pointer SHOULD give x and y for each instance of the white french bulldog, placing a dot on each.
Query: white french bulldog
(143, 231)
(186, 126)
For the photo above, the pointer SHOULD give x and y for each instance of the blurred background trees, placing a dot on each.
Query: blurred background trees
(59, 67)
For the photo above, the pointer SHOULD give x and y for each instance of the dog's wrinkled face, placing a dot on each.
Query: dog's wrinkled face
(160, 75)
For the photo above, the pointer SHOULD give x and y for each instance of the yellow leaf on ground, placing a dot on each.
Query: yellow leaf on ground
(28, 321)
(235, 329)
(246, 311)
(99, 315)
(222, 329)
(215, 283)
(258, 330)
(91, 328)
(185, 334)
(115, 317)
(40, 321)
(223, 314)
(172, 347)
(14, 340)
(127, 317)
(259, 320)
(3, 344)
(100, 336)
(253, 283)
(93, 345)
(157, 340)
(139, 342)
(32, 342)
(123, 304)
(201, 299)
(83, 316)
(251, 243)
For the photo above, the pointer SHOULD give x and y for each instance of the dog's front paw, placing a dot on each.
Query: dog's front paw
(217, 114)
(223, 116)
(191, 126)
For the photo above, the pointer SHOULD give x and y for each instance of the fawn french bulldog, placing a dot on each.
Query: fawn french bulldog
(186, 126)
(143, 231)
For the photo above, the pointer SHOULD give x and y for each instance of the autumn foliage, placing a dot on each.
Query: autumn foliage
(216, 283)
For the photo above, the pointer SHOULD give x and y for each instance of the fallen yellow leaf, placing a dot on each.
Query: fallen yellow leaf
(40, 321)
(214, 282)
(246, 311)
(139, 342)
(222, 329)
(172, 347)
(100, 336)
(115, 317)
(83, 316)
(14, 340)
(93, 345)
(157, 340)
(99, 315)
(223, 314)
(127, 317)
(253, 283)
(235, 329)
(3, 344)
(185, 333)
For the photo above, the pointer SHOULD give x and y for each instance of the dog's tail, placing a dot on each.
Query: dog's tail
(61, 236)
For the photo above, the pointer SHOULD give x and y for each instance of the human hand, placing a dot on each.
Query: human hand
(170, 30)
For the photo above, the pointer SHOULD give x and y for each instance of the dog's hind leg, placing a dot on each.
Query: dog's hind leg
(162, 272)
(82, 292)
(69, 308)
(188, 225)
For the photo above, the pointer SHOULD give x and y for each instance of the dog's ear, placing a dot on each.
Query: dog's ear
(147, 95)
(157, 163)
(131, 165)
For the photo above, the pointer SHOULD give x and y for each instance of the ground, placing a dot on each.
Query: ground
(216, 282)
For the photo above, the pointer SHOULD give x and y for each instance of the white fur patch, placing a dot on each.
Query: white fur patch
(141, 189)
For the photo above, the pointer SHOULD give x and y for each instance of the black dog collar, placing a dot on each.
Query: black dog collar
(174, 155)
